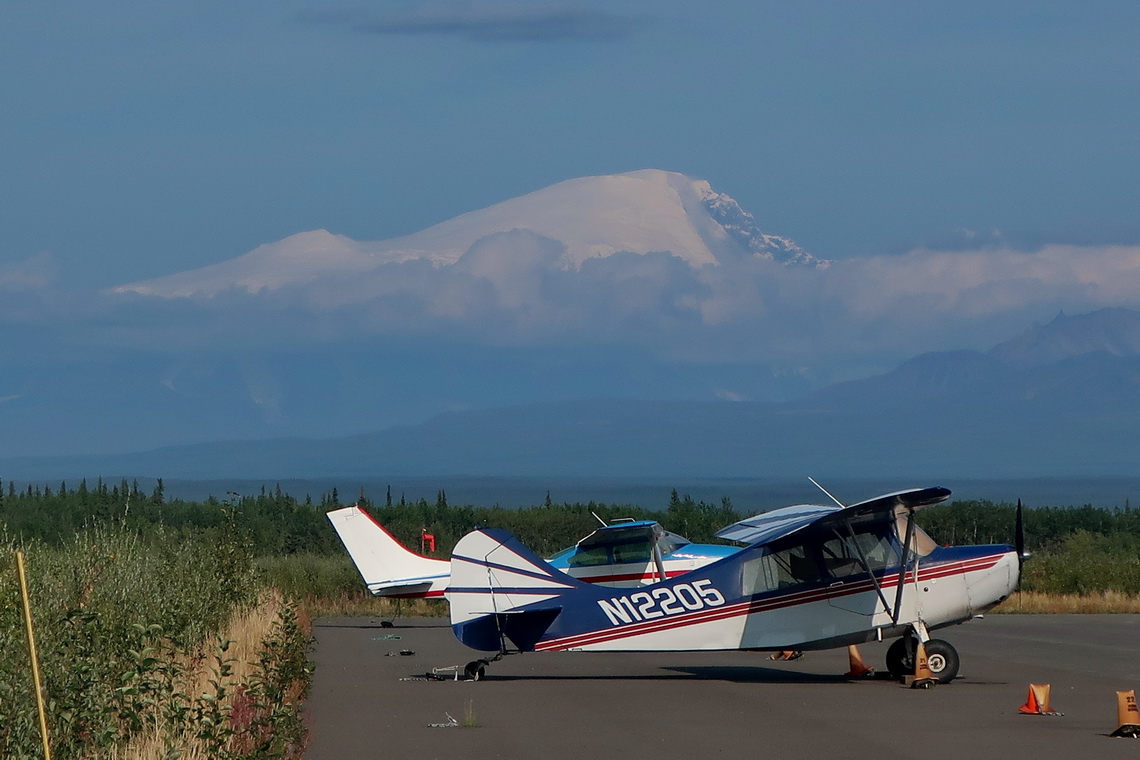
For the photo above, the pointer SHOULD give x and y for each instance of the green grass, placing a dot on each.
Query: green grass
(121, 623)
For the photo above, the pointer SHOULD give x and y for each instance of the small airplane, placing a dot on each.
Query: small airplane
(624, 554)
(810, 577)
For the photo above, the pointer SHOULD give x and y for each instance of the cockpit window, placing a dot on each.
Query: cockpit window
(868, 548)
(620, 544)
(594, 555)
(667, 543)
(793, 565)
(921, 543)
(632, 551)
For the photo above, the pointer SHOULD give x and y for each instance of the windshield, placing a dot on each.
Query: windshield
(921, 543)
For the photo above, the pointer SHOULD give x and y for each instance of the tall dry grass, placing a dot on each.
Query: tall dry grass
(1037, 602)
(364, 604)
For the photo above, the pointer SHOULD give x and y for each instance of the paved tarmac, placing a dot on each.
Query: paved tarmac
(722, 704)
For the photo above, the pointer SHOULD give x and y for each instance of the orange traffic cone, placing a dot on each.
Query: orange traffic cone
(859, 669)
(1038, 701)
(787, 654)
(1127, 715)
(923, 678)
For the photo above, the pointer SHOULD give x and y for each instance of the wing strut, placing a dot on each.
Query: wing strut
(658, 562)
(902, 566)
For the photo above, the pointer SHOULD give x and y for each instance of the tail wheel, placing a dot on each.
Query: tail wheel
(941, 658)
(475, 670)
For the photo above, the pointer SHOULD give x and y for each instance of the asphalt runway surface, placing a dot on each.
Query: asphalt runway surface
(640, 705)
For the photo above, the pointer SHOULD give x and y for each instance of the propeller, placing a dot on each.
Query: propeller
(1019, 538)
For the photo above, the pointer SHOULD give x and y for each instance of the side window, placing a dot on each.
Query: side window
(844, 555)
(796, 565)
(791, 566)
(638, 551)
(595, 555)
(759, 575)
(841, 558)
(880, 551)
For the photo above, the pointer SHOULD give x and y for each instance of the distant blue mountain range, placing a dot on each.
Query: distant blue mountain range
(1063, 399)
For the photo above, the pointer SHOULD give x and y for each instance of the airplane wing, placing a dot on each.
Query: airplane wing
(769, 526)
(900, 502)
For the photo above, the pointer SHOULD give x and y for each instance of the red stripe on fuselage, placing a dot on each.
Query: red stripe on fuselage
(762, 605)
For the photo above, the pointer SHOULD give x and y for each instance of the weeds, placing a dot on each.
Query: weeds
(148, 652)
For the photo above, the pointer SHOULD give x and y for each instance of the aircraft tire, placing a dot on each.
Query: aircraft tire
(900, 662)
(475, 670)
(941, 657)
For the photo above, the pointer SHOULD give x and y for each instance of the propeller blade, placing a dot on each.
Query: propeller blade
(1019, 535)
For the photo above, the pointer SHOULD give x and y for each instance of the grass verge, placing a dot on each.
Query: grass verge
(1036, 602)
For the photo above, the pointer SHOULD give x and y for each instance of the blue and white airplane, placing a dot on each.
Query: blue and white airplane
(810, 577)
(624, 554)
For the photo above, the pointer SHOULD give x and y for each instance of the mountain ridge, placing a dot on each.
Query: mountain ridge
(962, 413)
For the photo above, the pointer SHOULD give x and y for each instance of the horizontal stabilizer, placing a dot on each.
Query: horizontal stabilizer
(523, 629)
(417, 586)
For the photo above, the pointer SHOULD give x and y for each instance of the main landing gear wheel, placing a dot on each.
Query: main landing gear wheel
(941, 658)
(475, 670)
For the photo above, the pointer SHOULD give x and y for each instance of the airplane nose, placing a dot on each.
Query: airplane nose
(990, 587)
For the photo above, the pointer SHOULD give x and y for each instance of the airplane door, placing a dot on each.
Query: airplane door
(849, 561)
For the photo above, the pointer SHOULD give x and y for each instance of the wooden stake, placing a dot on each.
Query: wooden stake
(33, 655)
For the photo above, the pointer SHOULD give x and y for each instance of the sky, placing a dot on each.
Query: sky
(970, 168)
(139, 139)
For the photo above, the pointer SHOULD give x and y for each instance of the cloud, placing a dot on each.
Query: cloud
(35, 273)
(508, 323)
(512, 290)
(489, 22)
(980, 283)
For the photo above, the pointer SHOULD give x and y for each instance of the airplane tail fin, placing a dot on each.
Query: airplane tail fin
(499, 588)
(386, 565)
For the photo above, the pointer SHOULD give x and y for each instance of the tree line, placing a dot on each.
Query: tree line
(1077, 549)
(277, 523)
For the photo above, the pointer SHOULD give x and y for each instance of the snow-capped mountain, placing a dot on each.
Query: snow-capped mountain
(741, 227)
(641, 212)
